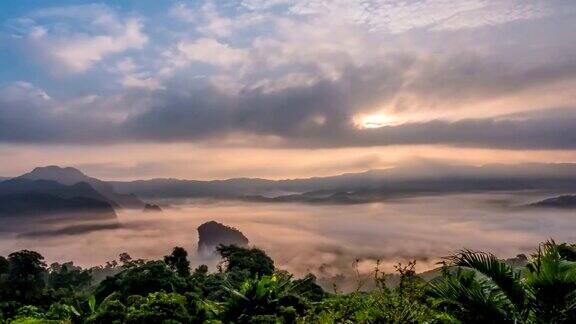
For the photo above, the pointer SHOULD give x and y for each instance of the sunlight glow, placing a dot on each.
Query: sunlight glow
(376, 121)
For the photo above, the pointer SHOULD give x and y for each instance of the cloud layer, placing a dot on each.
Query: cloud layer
(297, 74)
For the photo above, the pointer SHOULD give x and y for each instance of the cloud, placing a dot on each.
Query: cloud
(82, 36)
(29, 114)
(398, 17)
(210, 51)
(524, 133)
(310, 115)
(209, 21)
(326, 240)
(305, 79)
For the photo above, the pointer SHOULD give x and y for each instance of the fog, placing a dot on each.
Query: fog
(322, 239)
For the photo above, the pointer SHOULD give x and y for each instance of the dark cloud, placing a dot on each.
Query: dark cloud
(421, 70)
(553, 132)
(318, 115)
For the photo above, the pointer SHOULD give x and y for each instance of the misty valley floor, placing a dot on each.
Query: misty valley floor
(324, 239)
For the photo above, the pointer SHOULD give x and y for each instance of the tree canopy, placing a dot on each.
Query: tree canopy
(472, 287)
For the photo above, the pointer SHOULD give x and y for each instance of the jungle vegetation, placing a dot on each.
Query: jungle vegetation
(473, 287)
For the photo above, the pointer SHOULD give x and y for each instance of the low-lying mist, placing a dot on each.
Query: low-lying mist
(322, 239)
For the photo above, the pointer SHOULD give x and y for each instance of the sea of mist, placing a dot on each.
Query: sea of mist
(330, 241)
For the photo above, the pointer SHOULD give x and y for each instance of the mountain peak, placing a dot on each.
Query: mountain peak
(64, 175)
(72, 176)
(212, 234)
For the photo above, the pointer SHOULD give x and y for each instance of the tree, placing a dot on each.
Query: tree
(159, 307)
(110, 311)
(178, 261)
(68, 276)
(275, 297)
(470, 299)
(140, 279)
(124, 258)
(242, 263)
(4, 265)
(26, 274)
(551, 282)
(545, 293)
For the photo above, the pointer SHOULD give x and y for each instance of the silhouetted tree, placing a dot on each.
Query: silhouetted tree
(26, 273)
(140, 279)
(68, 276)
(124, 258)
(242, 263)
(178, 261)
(4, 265)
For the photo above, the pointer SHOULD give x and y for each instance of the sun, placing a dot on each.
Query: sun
(376, 121)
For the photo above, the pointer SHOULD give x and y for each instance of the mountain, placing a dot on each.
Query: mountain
(72, 176)
(44, 205)
(564, 201)
(51, 187)
(194, 188)
(410, 179)
(212, 234)
(4, 178)
(23, 197)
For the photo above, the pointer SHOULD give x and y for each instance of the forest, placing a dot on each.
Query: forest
(246, 287)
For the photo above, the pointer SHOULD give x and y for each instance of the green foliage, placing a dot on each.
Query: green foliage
(29, 311)
(26, 272)
(273, 295)
(543, 293)
(110, 311)
(67, 276)
(159, 307)
(178, 261)
(59, 311)
(474, 287)
(470, 299)
(404, 304)
(140, 279)
(4, 265)
(92, 304)
(551, 282)
(242, 264)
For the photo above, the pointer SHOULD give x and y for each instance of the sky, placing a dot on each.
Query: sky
(284, 88)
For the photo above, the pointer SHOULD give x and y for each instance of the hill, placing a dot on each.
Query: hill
(45, 205)
(72, 176)
(212, 234)
(81, 189)
(564, 202)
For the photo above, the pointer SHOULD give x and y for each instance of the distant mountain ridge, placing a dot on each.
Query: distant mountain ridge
(373, 185)
(72, 176)
(350, 188)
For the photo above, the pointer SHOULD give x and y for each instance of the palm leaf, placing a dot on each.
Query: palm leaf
(92, 303)
(467, 296)
(502, 275)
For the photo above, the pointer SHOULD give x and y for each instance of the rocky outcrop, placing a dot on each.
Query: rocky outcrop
(564, 202)
(151, 208)
(213, 234)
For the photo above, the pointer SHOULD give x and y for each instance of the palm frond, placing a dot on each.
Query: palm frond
(502, 275)
(467, 296)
